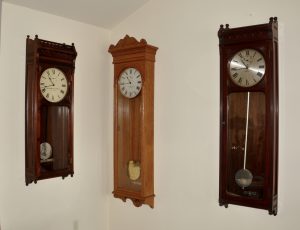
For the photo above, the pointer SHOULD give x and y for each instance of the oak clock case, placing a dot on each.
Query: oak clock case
(133, 120)
(49, 93)
(249, 116)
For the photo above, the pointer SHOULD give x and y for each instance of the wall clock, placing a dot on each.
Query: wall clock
(249, 116)
(133, 120)
(49, 93)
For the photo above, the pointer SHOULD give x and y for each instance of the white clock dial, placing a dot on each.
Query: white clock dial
(247, 67)
(130, 82)
(45, 151)
(53, 85)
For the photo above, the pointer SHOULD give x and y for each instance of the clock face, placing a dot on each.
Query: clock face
(247, 67)
(53, 85)
(46, 151)
(130, 82)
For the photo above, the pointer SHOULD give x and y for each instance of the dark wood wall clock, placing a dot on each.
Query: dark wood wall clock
(49, 110)
(249, 115)
(133, 120)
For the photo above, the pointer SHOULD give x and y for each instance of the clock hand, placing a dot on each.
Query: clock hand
(128, 80)
(238, 68)
(46, 86)
(127, 83)
(51, 81)
(244, 64)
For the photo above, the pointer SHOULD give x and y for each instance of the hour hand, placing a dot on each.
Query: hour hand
(46, 86)
(237, 68)
(51, 81)
(124, 83)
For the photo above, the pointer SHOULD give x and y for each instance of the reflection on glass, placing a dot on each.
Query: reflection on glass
(55, 133)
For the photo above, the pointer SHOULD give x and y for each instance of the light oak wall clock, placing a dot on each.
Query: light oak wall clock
(49, 109)
(133, 120)
(249, 116)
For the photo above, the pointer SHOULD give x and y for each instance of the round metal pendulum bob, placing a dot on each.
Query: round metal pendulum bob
(243, 178)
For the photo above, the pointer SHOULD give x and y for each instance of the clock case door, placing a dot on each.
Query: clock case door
(134, 122)
(262, 147)
(46, 121)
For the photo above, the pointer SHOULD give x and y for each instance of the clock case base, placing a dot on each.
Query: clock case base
(136, 199)
(250, 37)
(61, 174)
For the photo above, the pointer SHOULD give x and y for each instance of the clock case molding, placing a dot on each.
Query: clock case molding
(130, 53)
(40, 55)
(264, 38)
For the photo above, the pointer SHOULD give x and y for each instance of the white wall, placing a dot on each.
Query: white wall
(0, 21)
(187, 115)
(78, 203)
(186, 120)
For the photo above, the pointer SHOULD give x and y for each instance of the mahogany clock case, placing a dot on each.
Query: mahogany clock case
(262, 145)
(48, 125)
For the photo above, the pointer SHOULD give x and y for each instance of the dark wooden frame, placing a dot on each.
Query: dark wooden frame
(263, 37)
(40, 55)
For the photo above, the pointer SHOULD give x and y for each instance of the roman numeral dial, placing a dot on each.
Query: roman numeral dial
(53, 85)
(247, 67)
(130, 82)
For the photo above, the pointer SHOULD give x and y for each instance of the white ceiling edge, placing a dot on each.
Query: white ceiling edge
(101, 13)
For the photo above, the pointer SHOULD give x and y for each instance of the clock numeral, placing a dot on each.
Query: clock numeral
(259, 74)
(139, 82)
(123, 88)
(47, 95)
(63, 85)
(52, 98)
(247, 52)
(53, 71)
(258, 60)
(125, 92)
(138, 88)
(42, 83)
(138, 76)
(130, 71)
(130, 94)
(62, 92)
(241, 55)
(235, 75)
(48, 73)
(261, 66)
(247, 83)
(240, 80)
(43, 90)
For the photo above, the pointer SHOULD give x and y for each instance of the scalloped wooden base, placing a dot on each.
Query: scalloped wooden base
(137, 200)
